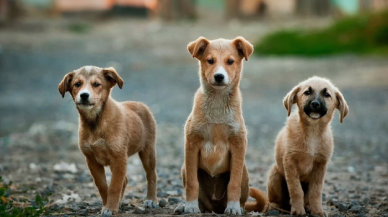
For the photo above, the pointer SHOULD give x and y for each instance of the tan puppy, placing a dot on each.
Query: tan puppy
(214, 172)
(304, 147)
(110, 132)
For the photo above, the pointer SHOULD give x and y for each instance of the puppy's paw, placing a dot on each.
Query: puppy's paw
(319, 214)
(298, 210)
(150, 204)
(233, 208)
(106, 212)
(192, 207)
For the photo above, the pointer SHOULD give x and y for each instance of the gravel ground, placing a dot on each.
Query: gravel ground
(38, 129)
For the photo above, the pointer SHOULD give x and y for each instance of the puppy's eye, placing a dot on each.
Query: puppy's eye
(326, 95)
(307, 92)
(78, 84)
(210, 61)
(230, 61)
(95, 84)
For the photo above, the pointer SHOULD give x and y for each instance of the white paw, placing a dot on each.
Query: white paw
(233, 208)
(106, 212)
(192, 207)
(150, 204)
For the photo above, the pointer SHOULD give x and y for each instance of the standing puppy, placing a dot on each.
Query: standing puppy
(304, 147)
(110, 132)
(214, 173)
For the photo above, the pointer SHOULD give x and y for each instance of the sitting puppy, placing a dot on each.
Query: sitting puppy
(304, 147)
(214, 173)
(110, 132)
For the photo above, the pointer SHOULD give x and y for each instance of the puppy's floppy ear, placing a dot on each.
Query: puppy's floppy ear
(289, 99)
(197, 47)
(342, 106)
(245, 49)
(112, 76)
(65, 84)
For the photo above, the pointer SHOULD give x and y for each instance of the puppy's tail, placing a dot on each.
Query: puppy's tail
(260, 205)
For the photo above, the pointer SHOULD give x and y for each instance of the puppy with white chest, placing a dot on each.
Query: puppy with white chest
(110, 132)
(304, 147)
(214, 173)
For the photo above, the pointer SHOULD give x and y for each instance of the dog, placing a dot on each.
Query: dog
(110, 132)
(304, 147)
(214, 173)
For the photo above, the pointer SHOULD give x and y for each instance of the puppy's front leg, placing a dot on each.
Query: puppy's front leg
(119, 170)
(238, 146)
(315, 190)
(191, 164)
(294, 186)
(98, 173)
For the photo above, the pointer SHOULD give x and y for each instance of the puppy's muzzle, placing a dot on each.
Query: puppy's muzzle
(315, 109)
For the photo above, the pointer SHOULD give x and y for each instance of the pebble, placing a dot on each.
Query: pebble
(162, 194)
(83, 212)
(74, 208)
(162, 203)
(138, 211)
(356, 209)
(366, 200)
(272, 213)
(342, 207)
(174, 200)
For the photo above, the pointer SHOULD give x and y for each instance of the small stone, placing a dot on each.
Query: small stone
(162, 203)
(366, 188)
(83, 212)
(74, 208)
(273, 212)
(332, 202)
(162, 194)
(138, 211)
(366, 200)
(174, 200)
(323, 197)
(379, 205)
(355, 209)
(342, 207)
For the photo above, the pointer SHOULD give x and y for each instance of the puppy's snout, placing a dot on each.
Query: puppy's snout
(315, 104)
(84, 96)
(219, 77)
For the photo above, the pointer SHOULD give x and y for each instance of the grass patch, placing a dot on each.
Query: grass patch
(362, 34)
(10, 207)
(79, 28)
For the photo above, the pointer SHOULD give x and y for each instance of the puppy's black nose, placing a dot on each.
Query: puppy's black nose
(315, 104)
(84, 96)
(219, 77)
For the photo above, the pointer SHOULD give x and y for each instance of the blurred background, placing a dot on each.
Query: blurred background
(145, 40)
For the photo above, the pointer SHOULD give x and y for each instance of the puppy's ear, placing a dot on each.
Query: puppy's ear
(245, 49)
(113, 77)
(289, 99)
(65, 84)
(342, 106)
(198, 47)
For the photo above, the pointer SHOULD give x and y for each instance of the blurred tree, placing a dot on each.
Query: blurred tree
(176, 9)
(313, 7)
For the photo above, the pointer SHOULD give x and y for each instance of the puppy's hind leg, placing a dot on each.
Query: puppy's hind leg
(278, 195)
(148, 158)
(124, 186)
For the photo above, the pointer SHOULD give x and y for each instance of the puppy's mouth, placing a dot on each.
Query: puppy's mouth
(87, 105)
(218, 86)
(315, 114)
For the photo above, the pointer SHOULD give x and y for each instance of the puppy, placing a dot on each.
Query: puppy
(110, 132)
(214, 173)
(304, 147)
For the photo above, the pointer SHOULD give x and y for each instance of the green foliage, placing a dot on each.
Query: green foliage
(7, 208)
(362, 34)
(80, 28)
